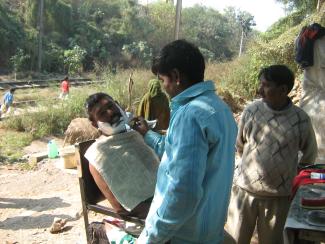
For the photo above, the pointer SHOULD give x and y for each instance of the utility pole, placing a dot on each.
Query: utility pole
(40, 35)
(178, 18)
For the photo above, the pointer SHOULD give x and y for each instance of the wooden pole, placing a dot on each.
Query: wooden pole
(178, 18)
(130, 87)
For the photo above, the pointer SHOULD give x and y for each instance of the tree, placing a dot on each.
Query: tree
(11, 35)
(306, 6)
(162, 20)
(19, 60)
(73, 59)
(208, 29)
(246, 21)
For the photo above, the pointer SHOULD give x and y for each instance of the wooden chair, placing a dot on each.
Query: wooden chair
(90, 193)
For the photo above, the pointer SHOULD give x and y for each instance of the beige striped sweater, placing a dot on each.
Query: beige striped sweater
(268, 142)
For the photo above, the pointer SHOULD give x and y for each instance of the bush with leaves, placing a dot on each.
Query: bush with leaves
(53, 58)
(139, 53)
(73, 59)
(20, 60)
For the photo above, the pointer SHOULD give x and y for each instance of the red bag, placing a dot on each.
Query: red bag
(303, 178)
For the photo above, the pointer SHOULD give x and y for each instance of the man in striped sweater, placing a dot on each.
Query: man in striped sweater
(272, 131)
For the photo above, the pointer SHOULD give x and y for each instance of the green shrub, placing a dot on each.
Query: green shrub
(11, 144)
(73, 59)
(240, 75)
(52, 117)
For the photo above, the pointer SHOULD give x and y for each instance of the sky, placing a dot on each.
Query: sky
(265, 12)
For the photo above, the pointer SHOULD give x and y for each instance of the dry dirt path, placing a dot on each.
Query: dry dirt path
(30, 200)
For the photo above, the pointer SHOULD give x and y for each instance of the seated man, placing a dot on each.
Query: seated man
(122, 165)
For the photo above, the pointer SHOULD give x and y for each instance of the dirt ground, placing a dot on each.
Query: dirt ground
(30, 200)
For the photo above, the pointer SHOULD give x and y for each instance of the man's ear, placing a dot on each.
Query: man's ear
(176, 76)
(285, 89)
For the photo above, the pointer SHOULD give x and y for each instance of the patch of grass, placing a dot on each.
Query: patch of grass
(51, 117)
(26, 165)
(11, 145)
(36, 94)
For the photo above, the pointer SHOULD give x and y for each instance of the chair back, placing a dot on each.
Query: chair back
(91, 193)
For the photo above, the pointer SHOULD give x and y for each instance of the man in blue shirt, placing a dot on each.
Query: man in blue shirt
(8, 99)
(197, 154)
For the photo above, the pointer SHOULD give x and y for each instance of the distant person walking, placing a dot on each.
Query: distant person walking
(65, 85)
(8, 99)
(155, 105)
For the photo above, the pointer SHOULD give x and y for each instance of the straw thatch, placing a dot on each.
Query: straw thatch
(80, 129)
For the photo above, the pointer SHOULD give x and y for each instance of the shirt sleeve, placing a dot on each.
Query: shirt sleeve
(309, 146)
(183, 190)
(156, 142)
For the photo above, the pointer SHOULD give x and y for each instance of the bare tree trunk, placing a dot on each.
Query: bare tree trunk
(241, 42)
(40, 36)
(319, 4)
(178, 18)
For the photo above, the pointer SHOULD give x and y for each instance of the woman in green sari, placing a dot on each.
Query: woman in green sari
(155, 105)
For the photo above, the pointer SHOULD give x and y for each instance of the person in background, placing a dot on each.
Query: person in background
(310, 55)
(154, 105)
(197, 153)
(272, 131)
(8, 99)
(65, 86)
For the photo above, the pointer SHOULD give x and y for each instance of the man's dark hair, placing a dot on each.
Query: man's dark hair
(12, 90)
(94, 99)
(279, 74)
(183, 56)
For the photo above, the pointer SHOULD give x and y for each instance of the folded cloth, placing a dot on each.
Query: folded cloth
(313, 203)
(128, 166)
(303, 178)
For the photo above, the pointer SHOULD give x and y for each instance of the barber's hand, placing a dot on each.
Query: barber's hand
(140, 125)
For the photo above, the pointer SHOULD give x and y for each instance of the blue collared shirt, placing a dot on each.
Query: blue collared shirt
(196, 170)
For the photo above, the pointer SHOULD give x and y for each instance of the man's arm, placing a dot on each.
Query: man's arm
(153, 139)
(156, 142)
(179, 186)
(309, 146)
(240, 141)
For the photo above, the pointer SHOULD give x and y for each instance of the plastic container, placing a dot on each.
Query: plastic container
(67, 157)
(52, 149)
(319, 176)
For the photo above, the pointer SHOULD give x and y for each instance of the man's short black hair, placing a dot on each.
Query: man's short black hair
(12, 90)
(94, 99)
(183, 56)
(279, 74)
